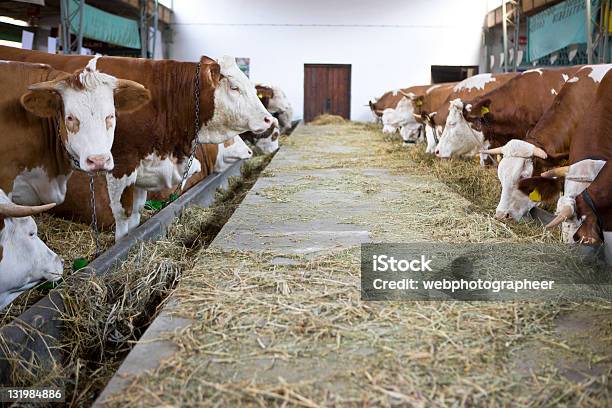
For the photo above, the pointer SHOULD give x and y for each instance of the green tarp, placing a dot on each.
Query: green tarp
(102, 26)
(557, 27)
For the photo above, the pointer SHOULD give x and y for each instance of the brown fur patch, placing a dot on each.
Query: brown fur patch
(127, 200)
(109, 121)
(73, 124)
(548, 188)
(228, 143)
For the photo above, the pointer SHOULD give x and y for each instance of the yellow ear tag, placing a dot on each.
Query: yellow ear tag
(260, 96)
(484, 110)
(535, 196)
(419, 103)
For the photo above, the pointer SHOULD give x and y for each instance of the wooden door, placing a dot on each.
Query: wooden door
(327, 89)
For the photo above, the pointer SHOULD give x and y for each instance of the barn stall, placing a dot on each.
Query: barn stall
(251, 284)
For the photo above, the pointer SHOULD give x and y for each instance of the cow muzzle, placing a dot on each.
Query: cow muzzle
(99, 162)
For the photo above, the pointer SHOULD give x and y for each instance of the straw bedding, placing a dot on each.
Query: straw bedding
(296, 333)
(105, 315)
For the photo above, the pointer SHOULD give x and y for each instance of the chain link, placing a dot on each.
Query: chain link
(94, 216)
(194, 142)
(92, 191)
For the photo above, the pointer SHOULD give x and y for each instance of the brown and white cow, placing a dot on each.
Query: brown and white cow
(24, 259)
(505, 113)
(562, 132)
(585, 204)
(276, 102)
(390, 99)
(424, 110)
(454, 127)
(52, 122)
(155, 142)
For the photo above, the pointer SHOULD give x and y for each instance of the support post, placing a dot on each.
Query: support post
(505, 33)
(589, 33)
(69, 16)
(517, 33)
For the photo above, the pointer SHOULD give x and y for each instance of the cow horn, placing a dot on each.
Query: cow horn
(537, 152)
(44, 86)
(497, 150)
(564, 214)
(18, 211)
(556, 172)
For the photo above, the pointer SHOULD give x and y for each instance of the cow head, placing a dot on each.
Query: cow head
(88, 102)
(572, 180)
(269, 144)
(402, 117)
(230, 152)
(237, 106)
(24, 258)
(516, 165)
(458, 138)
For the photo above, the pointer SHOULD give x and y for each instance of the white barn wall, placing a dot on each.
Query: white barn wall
(389, 43)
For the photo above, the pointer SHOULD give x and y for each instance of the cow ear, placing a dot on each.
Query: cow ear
(541, 188)
(214, 72)
(42, 101)
(484, 107)
(130, 96)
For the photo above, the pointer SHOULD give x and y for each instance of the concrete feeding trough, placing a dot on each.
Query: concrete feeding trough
(34, 333)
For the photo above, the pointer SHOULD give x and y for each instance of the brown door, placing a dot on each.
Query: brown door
(327, 89)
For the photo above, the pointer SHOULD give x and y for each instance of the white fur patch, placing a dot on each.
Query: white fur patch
(474, 82)
(598, 71)
(34, 187)
(428, 91)
(565, 77)
(529, 71)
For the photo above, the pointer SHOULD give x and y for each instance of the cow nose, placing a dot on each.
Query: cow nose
(97, 162)
(437, 152)
(268, 120)
(500, 215)
(249, 152)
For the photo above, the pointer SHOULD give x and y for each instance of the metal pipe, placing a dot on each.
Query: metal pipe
(589, 33)
(155, 23)
(517, 32)
(505, 32)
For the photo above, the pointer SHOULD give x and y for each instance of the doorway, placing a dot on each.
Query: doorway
(327, 89)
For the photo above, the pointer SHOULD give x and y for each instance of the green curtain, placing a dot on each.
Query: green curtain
(102, 26)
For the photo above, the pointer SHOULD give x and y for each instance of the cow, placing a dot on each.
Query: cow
(455, 128)
(585, 205)
(25, 260)
(424, 110)
(230, 152)
(391, 98)
(53, 123)
(564, 131)
(495, 117)
(276, 102)
(267, 141)
(160, 136)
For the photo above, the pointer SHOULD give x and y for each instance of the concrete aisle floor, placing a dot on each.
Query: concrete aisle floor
(272, 314)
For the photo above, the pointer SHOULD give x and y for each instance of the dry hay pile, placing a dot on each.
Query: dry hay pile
(105, 315)
(327, 119)
(295, 333)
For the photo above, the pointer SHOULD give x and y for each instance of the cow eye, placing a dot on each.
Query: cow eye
(234, 87)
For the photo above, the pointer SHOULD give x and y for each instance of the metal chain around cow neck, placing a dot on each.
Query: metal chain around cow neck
(194, 142)
(92, 190)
